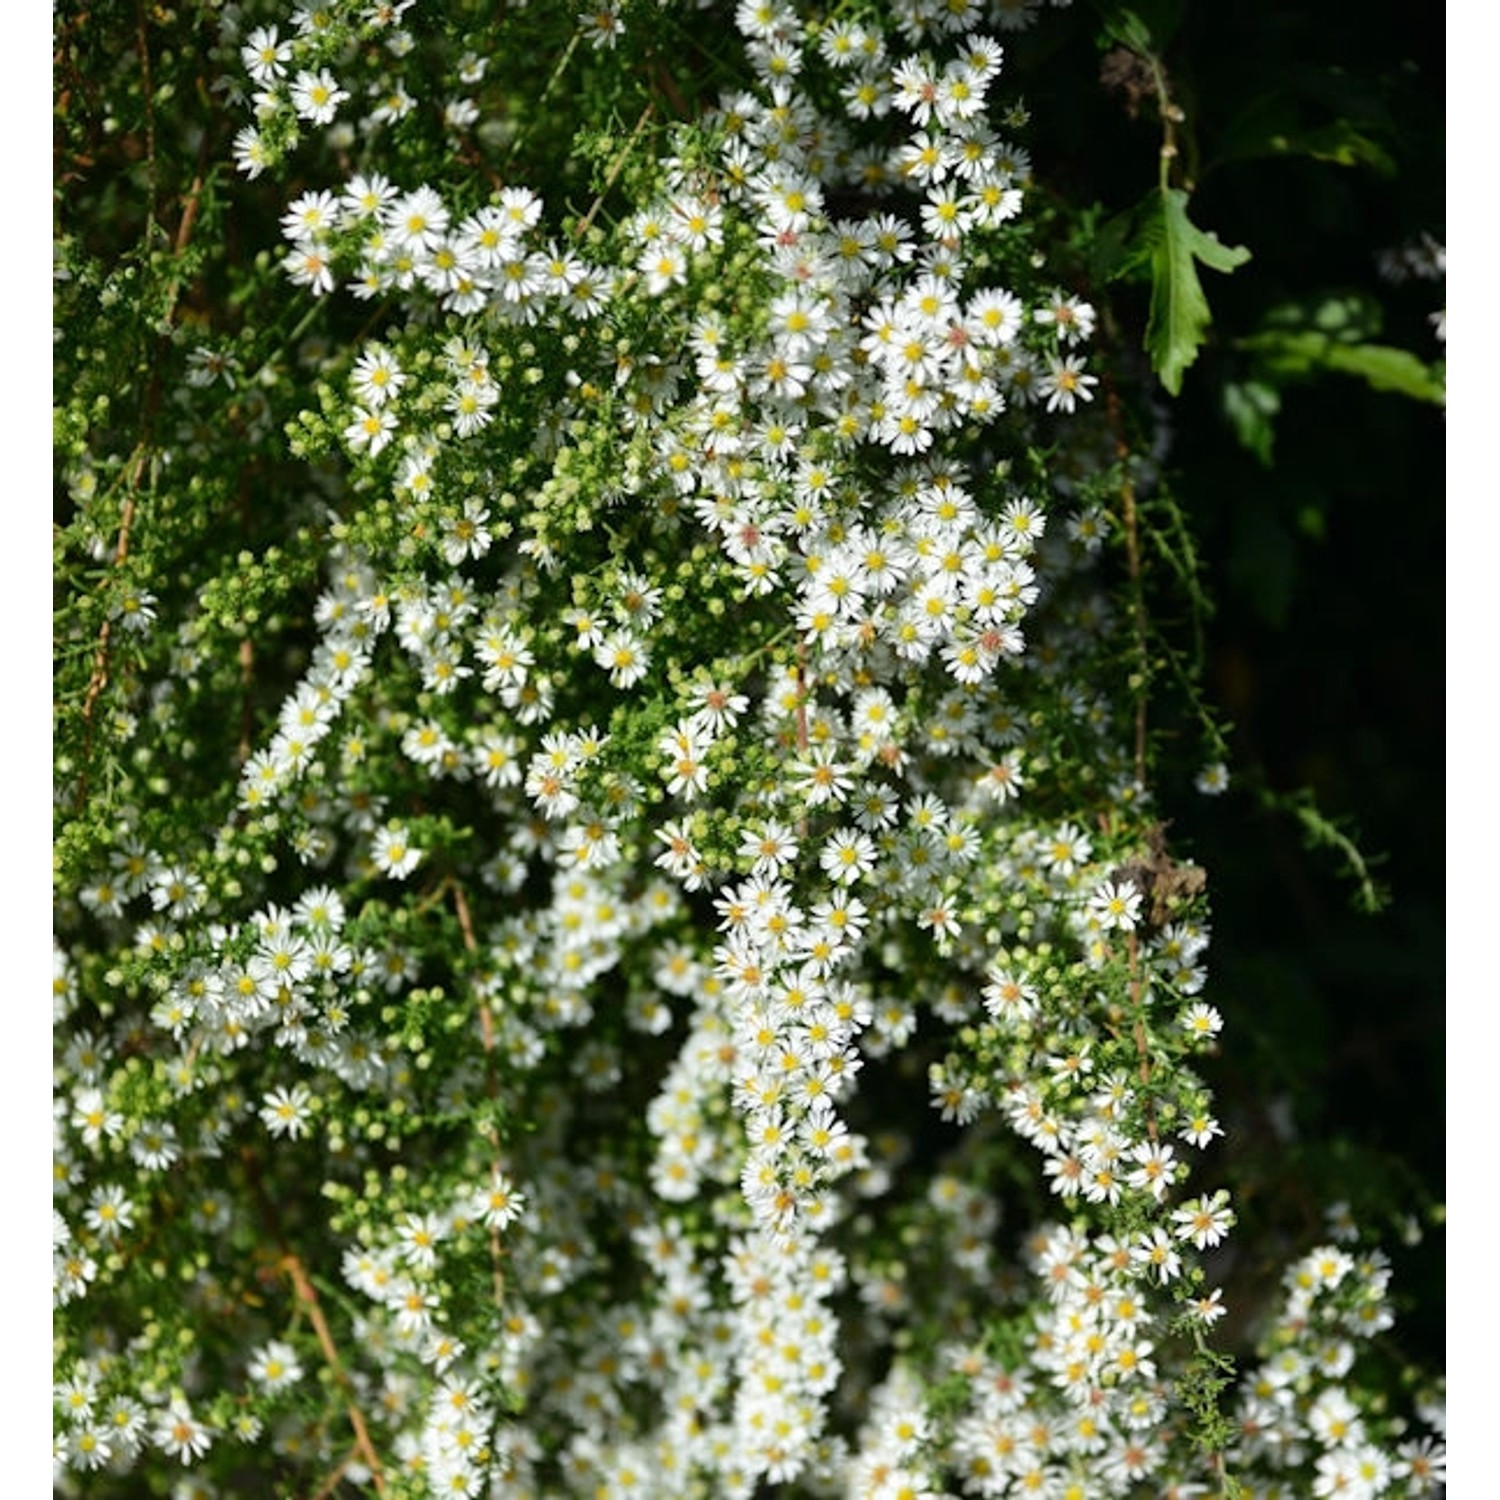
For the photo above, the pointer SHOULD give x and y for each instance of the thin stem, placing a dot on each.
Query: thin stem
(491, 1082)
(801, 698)
(291, 1265)
(1171, 117)
(1131, 522)
(99, 677)
(330, 1484)
(247, 680)
(552, 82)
(615, 168)
(1142, 1048)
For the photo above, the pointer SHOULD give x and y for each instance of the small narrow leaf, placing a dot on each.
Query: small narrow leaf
(1179, 315)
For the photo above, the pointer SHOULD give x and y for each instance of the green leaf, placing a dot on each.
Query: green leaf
(1251, 407)
(1122, 25)
(1145, 26)
(1115, 249)
(1350, 317)
(1344, 146)
(1389, 369)
(1275, 126)
(1179, 316)
(1384, 368)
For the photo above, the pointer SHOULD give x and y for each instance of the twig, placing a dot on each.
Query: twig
(559, 68)
(99, 677)
(1133, 565)
(291, 1263)
(469, 154)
(615, 168)
(662, 80)
(491, 1083)
(189, 215)
(1171, 116)
(330, 1484)
(247, 678)
(800, 670)
(1142, 1050)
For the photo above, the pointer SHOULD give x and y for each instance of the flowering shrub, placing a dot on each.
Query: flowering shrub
(615, 934)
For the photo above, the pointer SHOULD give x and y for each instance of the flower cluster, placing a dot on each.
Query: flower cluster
(1297, 1408)
(692, 851)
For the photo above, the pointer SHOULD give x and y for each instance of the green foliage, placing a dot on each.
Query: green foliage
(1276, 124)
(1334, 334)
(1179, 317)
(1146, 27)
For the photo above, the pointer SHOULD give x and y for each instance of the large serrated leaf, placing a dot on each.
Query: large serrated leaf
(1179, 316)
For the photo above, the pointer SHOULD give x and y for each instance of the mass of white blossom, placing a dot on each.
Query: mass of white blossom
(668, 938)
